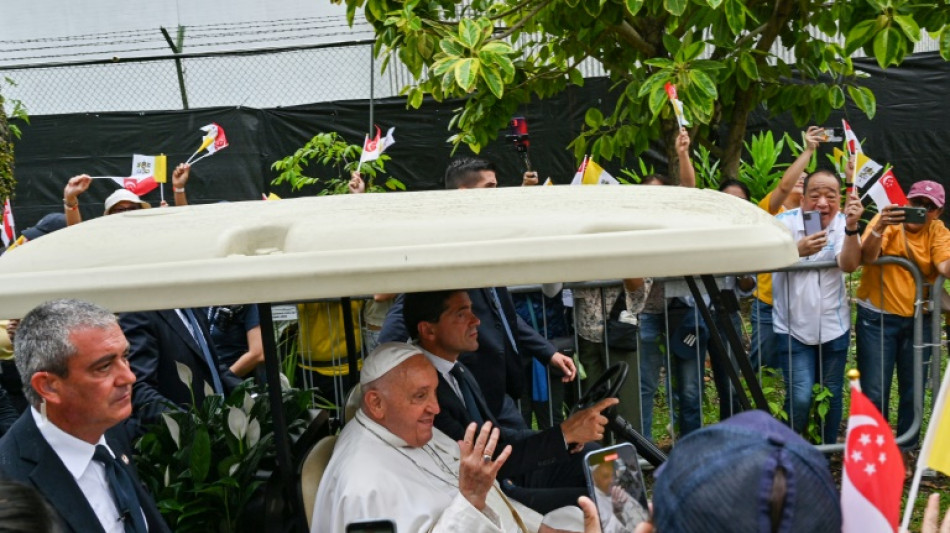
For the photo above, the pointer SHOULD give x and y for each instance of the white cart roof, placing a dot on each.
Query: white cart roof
(332, 246)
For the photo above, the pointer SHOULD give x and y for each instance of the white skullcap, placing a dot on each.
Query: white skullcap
(384, 358)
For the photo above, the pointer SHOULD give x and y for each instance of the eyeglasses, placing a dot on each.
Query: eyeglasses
(929, 206)
(123, 209)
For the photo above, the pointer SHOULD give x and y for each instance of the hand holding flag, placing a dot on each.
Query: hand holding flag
(8, 230)
(677, 104)
(873, 477)
(213, 140)
(590, 173)
(374, 148)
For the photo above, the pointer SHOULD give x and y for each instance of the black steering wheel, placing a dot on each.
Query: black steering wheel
(607, 386)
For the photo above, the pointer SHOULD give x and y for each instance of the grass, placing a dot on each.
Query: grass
(664, 439)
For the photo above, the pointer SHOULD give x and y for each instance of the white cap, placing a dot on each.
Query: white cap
(384, 358)
(122, 195)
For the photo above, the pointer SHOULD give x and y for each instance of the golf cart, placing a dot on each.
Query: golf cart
(338, 246)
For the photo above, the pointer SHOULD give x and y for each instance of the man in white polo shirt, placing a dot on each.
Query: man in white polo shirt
(812, 319)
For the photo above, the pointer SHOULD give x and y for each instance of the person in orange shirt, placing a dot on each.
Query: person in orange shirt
(885, 322)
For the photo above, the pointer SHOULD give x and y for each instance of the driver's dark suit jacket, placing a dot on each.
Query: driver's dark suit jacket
(530, 449)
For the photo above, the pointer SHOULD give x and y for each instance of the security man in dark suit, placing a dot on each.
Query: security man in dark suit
(72, 445)
(159, 340)
(545, 468)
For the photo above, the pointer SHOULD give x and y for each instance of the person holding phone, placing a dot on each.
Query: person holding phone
(885, 322)
(811, 314)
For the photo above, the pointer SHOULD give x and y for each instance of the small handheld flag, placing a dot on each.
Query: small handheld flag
(677, 104)
(213, 141)
(8, 231)
(886, 191)
(935, 452)
(854, 147)
(373, 148)
(590, 173)
(873, 477)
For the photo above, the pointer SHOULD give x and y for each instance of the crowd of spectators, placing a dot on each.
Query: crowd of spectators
(541, 350)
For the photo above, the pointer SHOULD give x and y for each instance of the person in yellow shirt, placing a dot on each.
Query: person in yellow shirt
(885, 322)
(322, 350)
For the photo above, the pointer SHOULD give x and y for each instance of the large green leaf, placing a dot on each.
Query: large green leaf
(748, 66)
(675, 7)
(466, 73)
(451, 47)
(864, 99)
(859, 34)
(887, 46)
(633, 6)
(657, 99)
(469, 33)
(593, 118)
(493, 80)
(200, 454)
(836, 97)
(735, 16)
(945, 43)
(703, 82)
(909, 25)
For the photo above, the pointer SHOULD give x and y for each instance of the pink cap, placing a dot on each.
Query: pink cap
(928, 189)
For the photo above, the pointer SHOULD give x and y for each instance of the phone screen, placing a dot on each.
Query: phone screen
(812, 220)
(372, 526)
(616, 485)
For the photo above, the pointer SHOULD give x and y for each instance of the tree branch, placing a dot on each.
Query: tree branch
(632, 37)
(507, 33)
(517, 7)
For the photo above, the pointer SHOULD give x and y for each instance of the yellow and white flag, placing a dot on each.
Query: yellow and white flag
(935, 452)
(591, 173)
(865, 168)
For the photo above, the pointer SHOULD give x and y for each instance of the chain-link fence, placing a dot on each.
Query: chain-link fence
(261, 79)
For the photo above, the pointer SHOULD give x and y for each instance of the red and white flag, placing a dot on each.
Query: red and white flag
(373, 148)
(677, 104)
(886, 191)
(854, 147)
(213, 141)
(8, 234)
(873, 477)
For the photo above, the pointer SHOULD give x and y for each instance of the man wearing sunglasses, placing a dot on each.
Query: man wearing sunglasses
(885, 322)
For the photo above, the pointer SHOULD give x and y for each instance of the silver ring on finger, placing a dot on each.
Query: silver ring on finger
(486, 458)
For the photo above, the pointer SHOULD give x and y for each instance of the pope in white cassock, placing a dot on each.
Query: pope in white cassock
(391, 463)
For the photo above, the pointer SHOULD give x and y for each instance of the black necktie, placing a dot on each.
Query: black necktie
(123, 492)
(468, 396)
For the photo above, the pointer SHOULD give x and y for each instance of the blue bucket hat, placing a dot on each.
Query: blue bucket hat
(745, 474)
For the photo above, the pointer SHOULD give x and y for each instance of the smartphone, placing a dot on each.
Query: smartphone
(372, 526)
(615, 483)
(812, 221)
(832, 135)
(914, 215)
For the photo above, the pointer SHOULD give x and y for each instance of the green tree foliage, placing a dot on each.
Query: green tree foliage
(334, 159)
(8, 132)
(499, 54)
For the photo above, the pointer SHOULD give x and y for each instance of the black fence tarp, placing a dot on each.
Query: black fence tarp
(912, 120)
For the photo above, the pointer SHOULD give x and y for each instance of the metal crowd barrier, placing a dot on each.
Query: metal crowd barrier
(575, 388)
